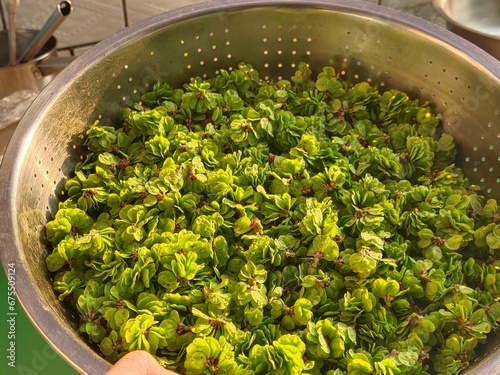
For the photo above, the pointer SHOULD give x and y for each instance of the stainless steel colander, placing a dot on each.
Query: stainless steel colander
(362, 41)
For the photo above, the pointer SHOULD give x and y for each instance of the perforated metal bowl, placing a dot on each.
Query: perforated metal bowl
(361, 40)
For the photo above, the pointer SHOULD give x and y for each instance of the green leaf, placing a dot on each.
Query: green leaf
(453, 243)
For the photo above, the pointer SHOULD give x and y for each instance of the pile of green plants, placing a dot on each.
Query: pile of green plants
(305, 226)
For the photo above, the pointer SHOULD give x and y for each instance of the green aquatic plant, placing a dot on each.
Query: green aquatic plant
(306, 226)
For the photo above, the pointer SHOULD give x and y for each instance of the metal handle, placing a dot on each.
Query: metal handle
(63, 10)
(54, 65)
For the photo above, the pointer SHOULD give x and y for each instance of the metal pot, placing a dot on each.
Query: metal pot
(26, 76)
(31, 76)
(476, 21)
(361, 40)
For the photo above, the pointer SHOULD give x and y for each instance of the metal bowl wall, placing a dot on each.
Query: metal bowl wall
(361, 40)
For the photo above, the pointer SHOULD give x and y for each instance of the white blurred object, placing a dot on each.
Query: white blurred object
(13, 106)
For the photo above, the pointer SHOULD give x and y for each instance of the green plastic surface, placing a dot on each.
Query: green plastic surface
(23, 350)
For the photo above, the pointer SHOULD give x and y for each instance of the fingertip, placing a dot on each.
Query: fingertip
(138, 362)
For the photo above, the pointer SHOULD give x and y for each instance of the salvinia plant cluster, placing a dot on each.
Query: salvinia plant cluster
(305, 226)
